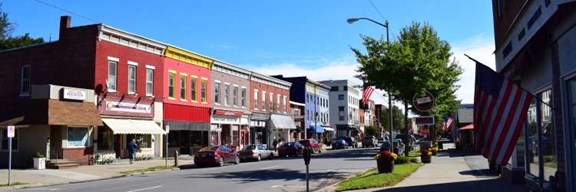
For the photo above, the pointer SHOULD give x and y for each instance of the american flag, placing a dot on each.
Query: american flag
(447, 122)
(500, 109)
(366, 95)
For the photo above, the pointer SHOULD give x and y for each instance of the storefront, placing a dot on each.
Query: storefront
(227, 125)
(282, 126)
(189, 127)
(258, 131)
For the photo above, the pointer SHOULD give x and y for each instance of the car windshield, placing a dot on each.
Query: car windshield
(208, 149)
(249, 147)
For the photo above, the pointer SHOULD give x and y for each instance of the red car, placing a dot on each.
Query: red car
(316, 147)
(216, 155)
(290, 149)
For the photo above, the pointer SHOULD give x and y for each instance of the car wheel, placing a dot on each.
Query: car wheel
(237, 161)
(259, 158)
(221, 162)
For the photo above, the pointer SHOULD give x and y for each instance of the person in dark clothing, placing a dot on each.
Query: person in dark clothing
(132, 146)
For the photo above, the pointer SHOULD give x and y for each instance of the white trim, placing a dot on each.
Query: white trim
(132, 63)
(217, 81)
(150, 67)
(113, 59)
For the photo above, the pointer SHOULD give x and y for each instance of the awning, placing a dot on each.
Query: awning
(131, 126)
(319, 128)
(328, 129)
(282, 122)
(467, 127)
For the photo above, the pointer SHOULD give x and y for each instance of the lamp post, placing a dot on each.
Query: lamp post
(385, 24)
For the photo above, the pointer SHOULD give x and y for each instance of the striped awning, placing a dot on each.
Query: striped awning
(282, 122)
(132, 126)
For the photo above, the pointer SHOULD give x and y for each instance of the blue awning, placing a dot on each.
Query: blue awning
(319, 128)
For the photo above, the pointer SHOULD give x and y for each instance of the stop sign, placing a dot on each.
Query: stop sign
(423, 102)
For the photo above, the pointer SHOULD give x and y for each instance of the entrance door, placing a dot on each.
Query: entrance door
(571, 144)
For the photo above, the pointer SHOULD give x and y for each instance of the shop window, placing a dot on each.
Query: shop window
(143, 141)
(77, 137)
(5, 139)
(25, 81)
(105, 138)
(540, 137)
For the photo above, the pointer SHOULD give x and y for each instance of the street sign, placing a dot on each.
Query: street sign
(424, 120)
(10, 131)
(423, 102)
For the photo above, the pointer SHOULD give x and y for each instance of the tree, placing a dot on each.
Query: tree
(370, 130)
(7, 41)
(398, 119)
(417, 61)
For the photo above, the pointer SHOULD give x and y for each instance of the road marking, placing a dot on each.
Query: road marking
(275, 166)
(143, 189)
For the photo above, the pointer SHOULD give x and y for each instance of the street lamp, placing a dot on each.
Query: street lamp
(352, 20)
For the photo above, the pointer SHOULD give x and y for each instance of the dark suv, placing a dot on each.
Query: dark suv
(350, 140)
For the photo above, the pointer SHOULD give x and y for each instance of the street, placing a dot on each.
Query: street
(281, 174)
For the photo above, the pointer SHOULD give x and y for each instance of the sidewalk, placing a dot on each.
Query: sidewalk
(452, 170)
(46, 177)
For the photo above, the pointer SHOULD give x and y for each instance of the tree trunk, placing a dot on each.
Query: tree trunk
(406, 132)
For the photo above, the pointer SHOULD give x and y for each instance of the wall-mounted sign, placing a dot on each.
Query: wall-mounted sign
(423, 102)
(227, 113)
(126, 107)
(74, 94)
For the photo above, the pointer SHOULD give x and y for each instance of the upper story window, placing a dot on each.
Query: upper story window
(235, 95)
(171, 84)
(226, 94)
(284, 104)
(244, 95)
(132, 77)
(25, 81)
(217, 92)
(278, 103)
(112, 74)
(149, 81)
(271, 102)
(183, 86)
(264, 100)
(341, 114)
(341, 97)
(193, 87)
(255, 99)
(204, 90)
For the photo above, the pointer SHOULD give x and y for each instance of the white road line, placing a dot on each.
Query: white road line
(269, 167)
(143, 189)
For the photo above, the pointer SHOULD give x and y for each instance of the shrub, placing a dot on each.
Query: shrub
(413, 160)
(402, 160)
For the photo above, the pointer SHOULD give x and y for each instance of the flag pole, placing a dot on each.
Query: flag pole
(537, 98)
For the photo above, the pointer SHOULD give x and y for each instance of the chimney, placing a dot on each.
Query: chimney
(64, 24)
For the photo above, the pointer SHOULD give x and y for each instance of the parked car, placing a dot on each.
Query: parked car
(339, 144)
(350, 140)
(290, 149)
(256, 152)
(369, 141)
(216, 155)
(380, 142)
(313, 143)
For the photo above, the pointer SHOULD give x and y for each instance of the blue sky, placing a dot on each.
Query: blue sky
(299, 37)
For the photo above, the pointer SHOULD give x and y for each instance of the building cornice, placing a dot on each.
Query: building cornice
(188, 57)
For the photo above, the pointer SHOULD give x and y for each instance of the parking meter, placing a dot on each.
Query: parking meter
(307, 153)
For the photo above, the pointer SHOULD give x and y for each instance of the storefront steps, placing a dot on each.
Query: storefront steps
(61, 164)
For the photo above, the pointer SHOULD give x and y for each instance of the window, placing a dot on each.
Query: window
(226, 94)
(111, 82)
(264, 100)
(284, 104)
(5, 139)
(171, 84)
(25, 81)
(345, 88)
(235, 95)
(334, 88)
(255, 99)
(341, 113)
(149, 81)
(183, 86)
(77, 137)
(341, 97)
(244, 92)
(278, 103)
(271, 102)
(204, 90)
(131, 79)
(217, 92)
(193, 87)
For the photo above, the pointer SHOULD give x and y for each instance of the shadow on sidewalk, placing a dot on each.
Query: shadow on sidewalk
(492, 185)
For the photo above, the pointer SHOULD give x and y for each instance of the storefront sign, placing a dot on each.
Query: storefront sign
(225, 120)
(126, 107)
(74, 94)
(260, 116)
(228, 113)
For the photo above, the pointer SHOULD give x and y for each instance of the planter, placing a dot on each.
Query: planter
(385, 165)
(426, 158)
(39, 163)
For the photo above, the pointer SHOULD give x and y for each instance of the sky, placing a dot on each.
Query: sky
(292, 38)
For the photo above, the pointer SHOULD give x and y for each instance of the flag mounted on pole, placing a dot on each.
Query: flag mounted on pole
(447, 122)
(366, 95)
(500, 109)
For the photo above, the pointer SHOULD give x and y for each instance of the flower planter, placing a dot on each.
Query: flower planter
(385, 165)
(426, 158)
(39, 163)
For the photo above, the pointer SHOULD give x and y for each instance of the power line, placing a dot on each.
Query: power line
(62, 9)
(377, 10)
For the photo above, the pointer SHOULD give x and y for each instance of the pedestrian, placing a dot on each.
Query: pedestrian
(132, 146)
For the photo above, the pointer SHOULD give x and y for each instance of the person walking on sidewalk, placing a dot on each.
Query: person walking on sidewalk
(132, 146)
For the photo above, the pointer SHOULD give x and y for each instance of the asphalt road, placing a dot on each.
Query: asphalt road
(282, 174)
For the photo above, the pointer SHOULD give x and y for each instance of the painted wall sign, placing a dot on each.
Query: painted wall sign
(126, 107)
(228, 113)
(74, 94)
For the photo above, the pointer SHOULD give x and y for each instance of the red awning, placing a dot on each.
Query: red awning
(467, 127)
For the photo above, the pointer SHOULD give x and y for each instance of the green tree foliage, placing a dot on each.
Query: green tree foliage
(370, 130)
(7, 41)
(398, 119)
(417, 61)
